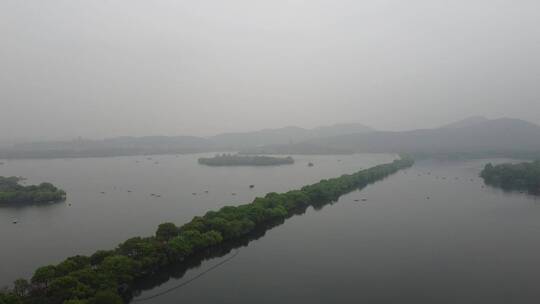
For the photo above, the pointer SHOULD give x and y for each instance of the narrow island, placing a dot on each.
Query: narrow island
(521, 176)
(110, 276)
(12, 192)
(245, 160)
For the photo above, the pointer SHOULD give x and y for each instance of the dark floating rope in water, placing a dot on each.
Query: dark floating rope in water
(190, 280)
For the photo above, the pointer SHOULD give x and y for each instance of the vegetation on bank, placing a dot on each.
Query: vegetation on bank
(11, 192)
(108, 276)
(245, 160)
(521, 176)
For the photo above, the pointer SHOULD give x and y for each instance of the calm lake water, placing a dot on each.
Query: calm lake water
(94, 220)
(429, 234)
(465, 244)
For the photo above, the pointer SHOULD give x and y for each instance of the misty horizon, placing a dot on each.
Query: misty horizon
(99, 69)
(22, 140)
(285, 151)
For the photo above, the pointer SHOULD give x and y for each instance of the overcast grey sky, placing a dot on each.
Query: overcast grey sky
(97, 68)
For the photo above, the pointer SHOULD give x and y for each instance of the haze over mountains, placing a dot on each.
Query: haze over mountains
(128, 145)
(467, 122)
(473, 136)
(284, 135)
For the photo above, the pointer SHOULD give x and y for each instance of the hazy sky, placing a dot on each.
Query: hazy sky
(97, 68)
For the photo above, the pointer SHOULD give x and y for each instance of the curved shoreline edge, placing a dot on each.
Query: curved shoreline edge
(115, 276)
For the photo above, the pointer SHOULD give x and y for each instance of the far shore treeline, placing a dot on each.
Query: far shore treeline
(109, 276)
(521, 176)
(245, 160)
(12, 192)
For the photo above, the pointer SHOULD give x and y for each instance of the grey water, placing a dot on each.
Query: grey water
(110, 200)
(430, 234)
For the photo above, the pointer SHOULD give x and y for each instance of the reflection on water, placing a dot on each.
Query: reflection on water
(178, 271)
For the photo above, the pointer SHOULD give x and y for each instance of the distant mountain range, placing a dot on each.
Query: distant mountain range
(472, 137)
(475, 136)
(467, 122)
(285, 135)
(127, 145)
